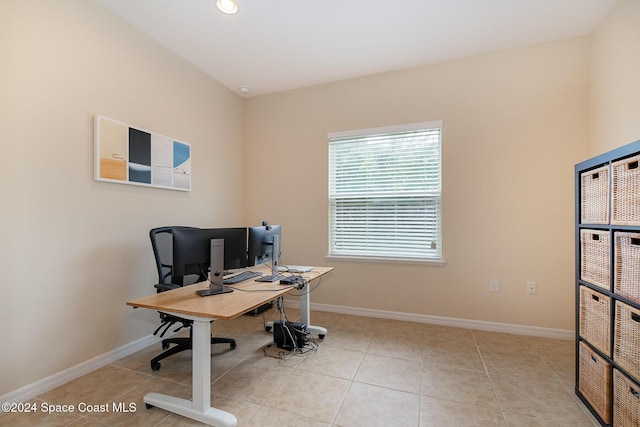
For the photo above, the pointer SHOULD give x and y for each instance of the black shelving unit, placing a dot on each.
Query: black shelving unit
(598, 362)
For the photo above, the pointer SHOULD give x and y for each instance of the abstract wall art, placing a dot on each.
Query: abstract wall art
(127, 155)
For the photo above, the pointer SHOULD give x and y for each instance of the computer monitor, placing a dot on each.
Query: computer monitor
(192, 252)
(264, 247)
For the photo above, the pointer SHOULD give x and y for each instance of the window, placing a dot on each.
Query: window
(385, 193)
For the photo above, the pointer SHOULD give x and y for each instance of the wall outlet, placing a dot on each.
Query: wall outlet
(532, 288)
(494, 285)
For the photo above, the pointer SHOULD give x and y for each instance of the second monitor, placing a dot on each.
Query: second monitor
(192, 253)
(264, 247)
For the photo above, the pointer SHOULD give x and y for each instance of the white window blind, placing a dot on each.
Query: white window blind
(385, 193)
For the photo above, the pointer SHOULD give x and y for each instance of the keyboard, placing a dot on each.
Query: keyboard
(245, 275)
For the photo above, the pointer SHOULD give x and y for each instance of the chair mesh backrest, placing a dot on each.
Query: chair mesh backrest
(164, 255)
(162, 243)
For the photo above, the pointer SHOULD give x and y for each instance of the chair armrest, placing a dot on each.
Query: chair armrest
(165, 286)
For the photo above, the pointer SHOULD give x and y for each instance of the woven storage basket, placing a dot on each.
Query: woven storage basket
(626, 192)
(627, 265)
(594, 381)
(626, 401)
(594, 262)
(594, 203)
(626, 343)
(595, 321)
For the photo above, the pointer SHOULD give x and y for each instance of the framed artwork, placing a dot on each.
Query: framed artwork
(127, 155)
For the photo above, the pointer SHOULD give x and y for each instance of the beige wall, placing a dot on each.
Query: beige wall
(615, 79)
(73, 249)
(515, 123)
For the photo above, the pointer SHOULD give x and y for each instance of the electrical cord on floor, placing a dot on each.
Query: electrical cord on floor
(271, 350)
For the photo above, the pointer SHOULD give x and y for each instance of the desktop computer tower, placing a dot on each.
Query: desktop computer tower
(289, 335)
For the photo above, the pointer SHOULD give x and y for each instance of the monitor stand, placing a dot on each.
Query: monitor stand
(216, 283)
(214, 290)
(272, 278)
(275, 252)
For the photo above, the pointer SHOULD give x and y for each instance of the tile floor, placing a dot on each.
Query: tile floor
(367, 372)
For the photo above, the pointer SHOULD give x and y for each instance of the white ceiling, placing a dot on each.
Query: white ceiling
(276, 45)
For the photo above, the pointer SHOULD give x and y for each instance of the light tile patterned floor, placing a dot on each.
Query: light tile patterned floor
(367, 372)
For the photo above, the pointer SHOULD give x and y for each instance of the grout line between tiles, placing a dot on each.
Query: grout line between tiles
(486, 371)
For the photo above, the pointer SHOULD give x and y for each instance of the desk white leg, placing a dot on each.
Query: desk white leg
(305, 314)
(201, 365)
(200, 408)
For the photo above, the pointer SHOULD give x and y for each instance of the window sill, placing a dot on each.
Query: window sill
(386, 260)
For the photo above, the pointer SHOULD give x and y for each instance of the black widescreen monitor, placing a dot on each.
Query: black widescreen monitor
(192, 250)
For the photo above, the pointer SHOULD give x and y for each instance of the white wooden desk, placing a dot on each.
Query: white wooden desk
(201, 310)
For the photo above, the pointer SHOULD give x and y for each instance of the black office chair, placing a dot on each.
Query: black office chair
(162, 244)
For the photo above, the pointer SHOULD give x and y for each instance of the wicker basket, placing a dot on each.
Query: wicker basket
(594, 203)
(626, 401)
(594, 381)
(594, 262)
(627, 265)
(626, 192)
(626, 344)
(595, 321)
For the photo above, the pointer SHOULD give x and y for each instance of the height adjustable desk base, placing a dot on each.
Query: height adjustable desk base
(211, 416)
(199, 408)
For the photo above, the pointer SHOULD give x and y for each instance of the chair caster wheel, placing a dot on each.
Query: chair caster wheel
(165, 345)
(155, 366)
(233, 345)
(148, 406)
(267, 328)
(321, 336)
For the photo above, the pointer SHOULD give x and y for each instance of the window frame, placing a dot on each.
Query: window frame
(388, 257)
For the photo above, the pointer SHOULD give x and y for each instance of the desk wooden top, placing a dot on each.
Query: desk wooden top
(246, 296)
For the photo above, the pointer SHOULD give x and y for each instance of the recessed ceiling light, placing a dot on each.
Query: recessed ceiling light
(227, 6)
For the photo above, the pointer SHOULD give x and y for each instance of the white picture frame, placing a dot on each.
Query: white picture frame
(124, 154)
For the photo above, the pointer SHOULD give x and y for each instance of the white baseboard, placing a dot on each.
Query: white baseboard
(481, 325)
(34, 389)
